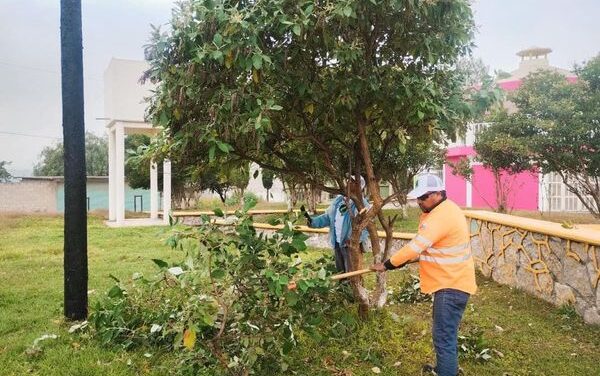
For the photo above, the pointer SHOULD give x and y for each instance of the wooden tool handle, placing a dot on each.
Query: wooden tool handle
(350, 274)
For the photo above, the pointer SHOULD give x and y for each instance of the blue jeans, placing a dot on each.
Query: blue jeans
(448, 308)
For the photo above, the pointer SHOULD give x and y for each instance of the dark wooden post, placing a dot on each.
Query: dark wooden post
(75, 228)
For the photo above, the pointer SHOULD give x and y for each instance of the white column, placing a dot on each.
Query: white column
(153, 190)
(541, 192)
(120, 171)
(469, 188)
(112, 204)
(563, 194)
(166, 190)
(469, 194)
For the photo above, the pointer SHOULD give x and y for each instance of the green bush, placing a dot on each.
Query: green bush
(410, 291)
(225, 308)
(472, 345)
(249, 197)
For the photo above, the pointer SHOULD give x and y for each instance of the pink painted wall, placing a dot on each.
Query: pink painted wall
(460, 151)
(523, 192)
(515, 84)
(456, 187)
(510, 85)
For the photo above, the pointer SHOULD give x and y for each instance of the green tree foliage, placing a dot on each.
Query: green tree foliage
(51, 160)
(481, 87)
(137, 171)
(96, 155)
(501, 75)
(316, 91)
(225, 306)
(239, 176)
(5, 176)
(267, 180)
(562, 124)
(419, 155)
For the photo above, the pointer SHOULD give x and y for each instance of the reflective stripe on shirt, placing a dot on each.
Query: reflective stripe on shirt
(415, 247)
(448, 250)
(426, 242)
(448, 260)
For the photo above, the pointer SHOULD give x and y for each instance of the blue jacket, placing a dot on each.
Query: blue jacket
(328, 219)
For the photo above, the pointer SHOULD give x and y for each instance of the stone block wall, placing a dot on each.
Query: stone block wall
(559, 265)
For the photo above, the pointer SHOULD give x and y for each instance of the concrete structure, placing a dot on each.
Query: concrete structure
(527, 191)
(276, 193)
(29, 196)
(124, 108)
(45, 194)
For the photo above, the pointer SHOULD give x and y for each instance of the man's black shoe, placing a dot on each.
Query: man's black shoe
(428, 369)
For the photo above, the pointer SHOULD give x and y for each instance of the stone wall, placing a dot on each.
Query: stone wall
(559, 265)
(28, 196)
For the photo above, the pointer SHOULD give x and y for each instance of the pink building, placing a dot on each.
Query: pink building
(527, 191)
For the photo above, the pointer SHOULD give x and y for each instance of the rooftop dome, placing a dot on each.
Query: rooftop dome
(534, 52)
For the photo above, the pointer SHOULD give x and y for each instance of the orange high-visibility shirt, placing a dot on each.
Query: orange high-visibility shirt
(443, 248)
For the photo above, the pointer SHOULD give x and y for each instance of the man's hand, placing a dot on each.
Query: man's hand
(378, 267)
(306, 215)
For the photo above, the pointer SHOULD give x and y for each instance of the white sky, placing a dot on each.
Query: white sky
(30, 54)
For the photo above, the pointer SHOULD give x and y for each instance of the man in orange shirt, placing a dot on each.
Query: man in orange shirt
(446, 268)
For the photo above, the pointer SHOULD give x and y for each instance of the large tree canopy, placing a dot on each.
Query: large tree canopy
(561, 123)
(313, 90)
(51, 160)
(5, 176)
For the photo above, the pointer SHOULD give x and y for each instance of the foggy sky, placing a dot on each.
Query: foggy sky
(30, 100)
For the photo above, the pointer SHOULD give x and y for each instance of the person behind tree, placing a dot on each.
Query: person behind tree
(339, 219)
(442, 247)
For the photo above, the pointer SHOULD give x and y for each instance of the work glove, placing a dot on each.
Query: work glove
(306, 215)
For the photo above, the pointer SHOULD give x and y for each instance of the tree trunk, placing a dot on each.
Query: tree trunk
(364, 220)
(500, 196)
(312, 199)
(379, 295)
(356, 262)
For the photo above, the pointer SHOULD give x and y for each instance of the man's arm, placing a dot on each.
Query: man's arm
(430, 231)
(319, 221)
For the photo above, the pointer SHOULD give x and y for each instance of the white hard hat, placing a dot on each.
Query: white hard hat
(426, 183)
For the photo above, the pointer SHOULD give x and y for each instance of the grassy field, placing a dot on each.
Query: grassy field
(527, 336)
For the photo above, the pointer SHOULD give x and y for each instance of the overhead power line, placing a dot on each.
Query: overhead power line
(29, 135)
(55, 72)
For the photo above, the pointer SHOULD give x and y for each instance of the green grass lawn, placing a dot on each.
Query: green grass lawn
(533, 337)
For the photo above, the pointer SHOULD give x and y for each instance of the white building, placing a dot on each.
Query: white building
(125, 106)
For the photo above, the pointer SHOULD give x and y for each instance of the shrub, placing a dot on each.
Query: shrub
(225, 307)
(410, 291)
(472, 345)
(249, 197)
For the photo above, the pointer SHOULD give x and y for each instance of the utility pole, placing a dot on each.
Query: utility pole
(75, 225)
